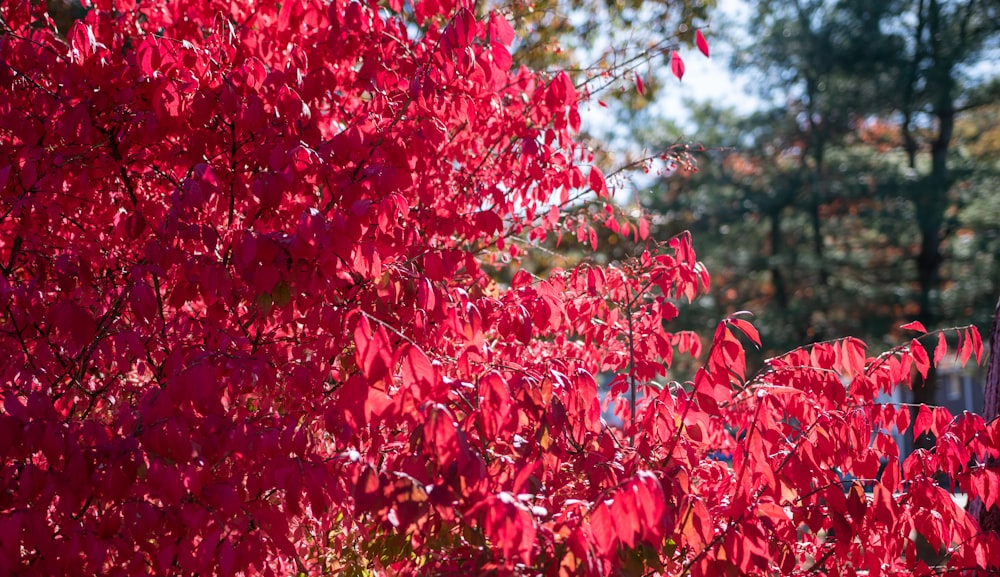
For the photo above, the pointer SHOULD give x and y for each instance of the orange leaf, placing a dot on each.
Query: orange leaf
(697, 531)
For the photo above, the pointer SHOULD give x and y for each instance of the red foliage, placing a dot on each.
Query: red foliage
(246, 328)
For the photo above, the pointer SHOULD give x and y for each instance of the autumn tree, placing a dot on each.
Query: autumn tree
(247, 329)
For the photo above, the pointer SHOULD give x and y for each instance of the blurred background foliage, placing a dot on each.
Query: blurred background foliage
(861, 195)
(600, 35)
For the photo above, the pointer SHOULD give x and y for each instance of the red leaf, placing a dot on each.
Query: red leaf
(650, 502)
(134, 224)
(638, 84)
(602, 526)
(625, 517)
(511, 526)
(367, 494)
(81, 38)
(142, 300)
(914, 326)
(501, 57)
(857, 504)
(748, 329)
(586, 388)
(780, 390)
(500, 29)
(441, 435)
(597, 183)
(699, 39)
(494, 403)
(923, 422)
(77, 322)
(883, 507)
(523, 476)
(853, 355)
(977, 343)
(941, 349)
(902, 419)
(227, 558)
(677, 66)
(890, 476)
(920, 357)
(554, 214)
(967, 347)
(285, 15)
(275, 524)
(697, 530)
(416, 368)
(991, 487)
(371, 350)
(942, 420)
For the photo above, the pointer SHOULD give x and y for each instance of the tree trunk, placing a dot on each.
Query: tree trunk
(989, 519)
(932, 194)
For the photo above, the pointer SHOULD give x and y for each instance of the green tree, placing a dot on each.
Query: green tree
(869, 212)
